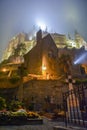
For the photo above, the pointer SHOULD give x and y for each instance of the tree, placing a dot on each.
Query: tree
(19, 50)
(22, 72)
(65, 64)
(3, 62)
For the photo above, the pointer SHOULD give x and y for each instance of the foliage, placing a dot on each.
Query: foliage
(33, 115)
(18, 113)
(65, 63)
(2, 103)
(14, 80)
(31, 106)
(16, 109)
(77, 81)
(3, 62)
(22, 71)
(14, 105)
(80, 81)
(27, 114)
(4, 74)
(19, 50)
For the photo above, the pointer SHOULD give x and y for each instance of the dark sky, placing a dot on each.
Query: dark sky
(61, 16)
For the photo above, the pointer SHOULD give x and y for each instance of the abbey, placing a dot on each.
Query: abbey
(29, 40)
(43, 58)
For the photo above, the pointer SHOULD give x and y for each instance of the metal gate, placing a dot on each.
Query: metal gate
(75, 106)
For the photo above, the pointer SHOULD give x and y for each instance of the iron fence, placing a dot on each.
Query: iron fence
(75, 106)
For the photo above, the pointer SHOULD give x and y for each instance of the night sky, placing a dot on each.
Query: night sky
(61, 16)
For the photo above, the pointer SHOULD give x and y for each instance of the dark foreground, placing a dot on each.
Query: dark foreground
(47, 125)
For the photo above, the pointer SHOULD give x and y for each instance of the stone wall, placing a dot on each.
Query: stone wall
(38, 91)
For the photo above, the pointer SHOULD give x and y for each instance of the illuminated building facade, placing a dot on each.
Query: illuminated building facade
(79, 40)
(20, 38)
(29, 39)
(43, 58)
(60, 40)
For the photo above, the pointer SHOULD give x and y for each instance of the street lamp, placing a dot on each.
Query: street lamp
(4, 69)
(44, 68)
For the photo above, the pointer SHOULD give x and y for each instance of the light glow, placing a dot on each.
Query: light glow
(4, 69)
(80, 59)
(44, 67)
(30, 38)
(41, 25)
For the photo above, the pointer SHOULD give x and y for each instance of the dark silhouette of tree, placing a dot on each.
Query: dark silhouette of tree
(22, 72)
(19, 50)
(2, 103)
(4, 62)
(65, 64)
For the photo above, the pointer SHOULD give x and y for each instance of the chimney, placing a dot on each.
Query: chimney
(39, 36)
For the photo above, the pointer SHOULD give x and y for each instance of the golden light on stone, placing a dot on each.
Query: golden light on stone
(43, 67)
(4, 69)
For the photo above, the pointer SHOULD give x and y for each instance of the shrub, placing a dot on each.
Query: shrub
(18, 113)
(14, 105)
(14, 80)
(31, 106)
(2, 103)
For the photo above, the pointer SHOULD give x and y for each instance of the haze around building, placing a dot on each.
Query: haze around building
(62, 17)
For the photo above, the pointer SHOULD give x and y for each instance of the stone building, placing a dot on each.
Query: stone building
(79, 40)
(42, 59)
(60, 40)
(29, 39)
